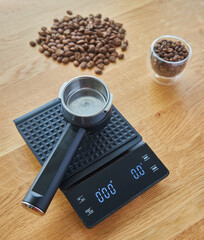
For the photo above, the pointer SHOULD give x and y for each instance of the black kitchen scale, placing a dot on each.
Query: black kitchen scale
(110, 168)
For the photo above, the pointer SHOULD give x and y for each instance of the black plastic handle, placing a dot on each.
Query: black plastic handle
(53, 170)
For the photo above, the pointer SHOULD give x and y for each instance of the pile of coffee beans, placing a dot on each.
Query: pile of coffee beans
(169, 51)
(86, 41)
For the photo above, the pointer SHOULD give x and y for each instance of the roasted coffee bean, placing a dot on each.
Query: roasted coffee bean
(102, 50)
(106, 61)
(97, 21)
(80, 41)
(71, 44)
(54, 56)
(99, 34)
(51, 50)
(81, 49)
(107, 55)
(43, 29)
(123, 47)
(121, 56)
(99, 45)
(101, 56)
(76, 63)
(75, 25)
(45, 46)
(88, 58)
(65, 60)
(114, 54)
(83, 65)
(126, 42)
(59, 59)
(112, 58)
(98, 71)
(69, 12)
(91, 55)
(47, 54)
(41, 49)
(99, 61)
(42, 34)
(122, 30)
(111, 50)
(96, 50)
(72, 58)
(170, 50)
(117, 43)
(98, 15)
(68, 53)
(77, 55)
(61, 46)
(91, 48)
(90, 64)
(82, 59)
(59, 52)
(51, 44)
(101, 66)
(32, 44)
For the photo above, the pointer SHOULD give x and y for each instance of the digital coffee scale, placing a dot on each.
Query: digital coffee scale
(110, 168)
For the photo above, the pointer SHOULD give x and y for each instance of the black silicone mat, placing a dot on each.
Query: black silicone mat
(42, 127)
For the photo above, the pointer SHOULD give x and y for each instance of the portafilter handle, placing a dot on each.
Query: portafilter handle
(53, 170)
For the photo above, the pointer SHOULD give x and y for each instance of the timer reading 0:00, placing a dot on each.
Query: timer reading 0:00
(105, 192)
(137, 172)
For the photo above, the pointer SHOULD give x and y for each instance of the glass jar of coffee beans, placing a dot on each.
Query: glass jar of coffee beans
(168, 58)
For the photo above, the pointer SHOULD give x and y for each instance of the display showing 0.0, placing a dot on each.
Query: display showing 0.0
(105, 193)
(137, 172)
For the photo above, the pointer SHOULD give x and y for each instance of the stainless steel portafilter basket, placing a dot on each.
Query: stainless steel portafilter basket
(86, 101)
(86, 104)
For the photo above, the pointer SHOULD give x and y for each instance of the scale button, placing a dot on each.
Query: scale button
(89, 211)
(154, 168)
(81, 199)
(145, 157)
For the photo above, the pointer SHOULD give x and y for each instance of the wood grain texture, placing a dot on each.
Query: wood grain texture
(170, 119)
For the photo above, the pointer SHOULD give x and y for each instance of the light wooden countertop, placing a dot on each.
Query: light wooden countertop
(170, 119)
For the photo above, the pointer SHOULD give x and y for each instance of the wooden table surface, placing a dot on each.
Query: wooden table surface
(170, 119)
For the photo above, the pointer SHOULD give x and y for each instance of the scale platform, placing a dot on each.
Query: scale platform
(110, 168)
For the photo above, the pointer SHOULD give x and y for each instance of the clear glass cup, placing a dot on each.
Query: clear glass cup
(167, 72)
